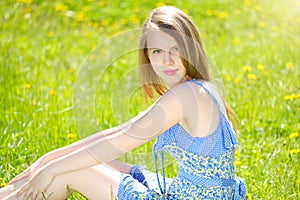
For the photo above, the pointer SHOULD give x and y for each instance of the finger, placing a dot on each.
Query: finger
(17, 178)
(28, 194)
(22, 190)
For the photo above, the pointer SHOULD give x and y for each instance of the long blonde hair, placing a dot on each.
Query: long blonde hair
(177, 24)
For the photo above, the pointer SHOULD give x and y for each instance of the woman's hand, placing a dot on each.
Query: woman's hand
(30, 171)
(36, 187)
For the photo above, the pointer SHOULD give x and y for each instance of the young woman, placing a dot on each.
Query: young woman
(190, 120)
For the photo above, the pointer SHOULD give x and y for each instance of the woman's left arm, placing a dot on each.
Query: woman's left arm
(170, 109)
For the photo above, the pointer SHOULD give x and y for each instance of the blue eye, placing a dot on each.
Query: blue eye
(175, 50)
(156, 51)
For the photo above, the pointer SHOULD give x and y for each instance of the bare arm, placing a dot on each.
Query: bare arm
(166, 112)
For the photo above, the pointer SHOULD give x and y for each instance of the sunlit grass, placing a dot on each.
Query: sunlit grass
(253, 47)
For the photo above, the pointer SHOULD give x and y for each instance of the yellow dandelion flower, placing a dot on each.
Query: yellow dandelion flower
(222, 15)
(80, 17)
(1, 179)
(96, 25)
(294, 151)
(289, 65)
(3, 184)
(260, 67)
(251, 76)
(102, 4)
(104, 22)
(25, 1)
(135, 19)
(248, 196)
(294, 135)
(209, 13)
(228, 78)
(237, 163)
(86, 8)
(237, 80)
(60, 7)
(237, 154)
(247, 68)
(50, 34)
(291, 96)
(248, 3)
(27, 86)
(71, 135)
(52, 92)
(158, 4)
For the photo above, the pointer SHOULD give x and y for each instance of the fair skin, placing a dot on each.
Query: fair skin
(81, 166)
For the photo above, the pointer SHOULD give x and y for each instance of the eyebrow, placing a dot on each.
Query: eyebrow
(161, 48)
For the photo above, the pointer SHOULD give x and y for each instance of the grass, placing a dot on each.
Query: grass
(253, 47)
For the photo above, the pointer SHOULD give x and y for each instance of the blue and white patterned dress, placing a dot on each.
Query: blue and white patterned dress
(205, 166)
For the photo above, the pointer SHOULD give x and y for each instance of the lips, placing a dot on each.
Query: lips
(170, 72)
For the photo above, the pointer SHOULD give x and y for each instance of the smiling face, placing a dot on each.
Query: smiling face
(164, 55)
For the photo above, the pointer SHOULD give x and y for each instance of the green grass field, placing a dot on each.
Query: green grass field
(253, 47)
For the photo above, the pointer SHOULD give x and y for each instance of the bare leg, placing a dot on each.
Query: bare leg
(99, 182)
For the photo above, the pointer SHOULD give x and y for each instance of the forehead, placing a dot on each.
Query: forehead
(160, 39)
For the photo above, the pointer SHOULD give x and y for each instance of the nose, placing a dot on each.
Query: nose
(168, 58)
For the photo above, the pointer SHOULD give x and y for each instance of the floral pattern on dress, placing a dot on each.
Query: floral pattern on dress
(207, 167)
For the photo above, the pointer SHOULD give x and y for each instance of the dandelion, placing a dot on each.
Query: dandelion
(80, 17)
(247, 68)
(294, 151)
(260, 67)
(27, 86)
(134, 19)
(237, 163)
(237, 80)
(71, 135)
(289, 65)
(86, 8)
(104, 22)
(50, 34)
(60, 7)
(294, 135)
(251, 76)
(237, 154)
(248, 196)
(228, 78)
(292, 96)
(52, 92)
(3, 184)
(28, 2)
(209, 13)
(159, 4)
(222, 15)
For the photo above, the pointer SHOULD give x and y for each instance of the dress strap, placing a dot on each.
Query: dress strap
(163, 186)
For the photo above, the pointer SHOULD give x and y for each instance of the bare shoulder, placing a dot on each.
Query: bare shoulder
(189, 91)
